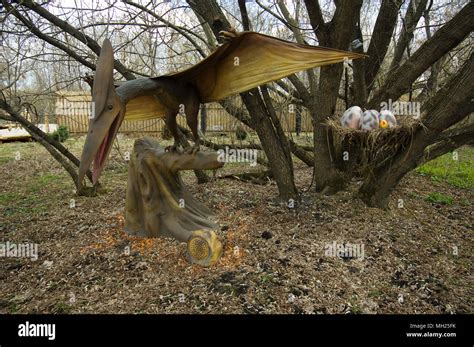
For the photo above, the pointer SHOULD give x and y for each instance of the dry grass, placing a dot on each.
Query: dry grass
(274, 258)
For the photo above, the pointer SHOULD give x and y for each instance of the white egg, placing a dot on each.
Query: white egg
(352, 117)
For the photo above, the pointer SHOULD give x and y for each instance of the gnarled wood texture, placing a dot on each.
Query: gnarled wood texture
(157, 202)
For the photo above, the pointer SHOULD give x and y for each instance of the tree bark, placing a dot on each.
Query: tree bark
(336, 34)
(449, 140)
(280, 166)
(382, 34)
(297, 150)
(359, 94)
(203, 118)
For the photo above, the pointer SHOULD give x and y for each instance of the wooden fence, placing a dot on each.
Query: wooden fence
(73, 110)
(218, 120)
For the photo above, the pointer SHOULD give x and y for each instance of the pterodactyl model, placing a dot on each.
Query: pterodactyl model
(245, 61)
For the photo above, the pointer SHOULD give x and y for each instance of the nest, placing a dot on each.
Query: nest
(361, 152)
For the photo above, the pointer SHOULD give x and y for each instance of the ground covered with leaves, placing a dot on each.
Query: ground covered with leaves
(417, 255)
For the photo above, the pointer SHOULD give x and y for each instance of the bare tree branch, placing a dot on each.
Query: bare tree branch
(414, 12)
(445, 39)
(47, 38)
(449, 141)
(300, 39)
(316, 19)
(54, 147)
(452, 102)
(87, 40)
(171, 25)
(245, 17)
(382, 34)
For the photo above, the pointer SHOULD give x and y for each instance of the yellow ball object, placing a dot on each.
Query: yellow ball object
(383, 124)
(203, 248)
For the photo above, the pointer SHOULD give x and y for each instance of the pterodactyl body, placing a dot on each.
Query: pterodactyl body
(245, 61)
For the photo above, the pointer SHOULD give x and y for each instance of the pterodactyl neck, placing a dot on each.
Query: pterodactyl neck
(145, 86)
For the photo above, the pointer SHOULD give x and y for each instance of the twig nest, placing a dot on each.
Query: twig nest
(203, 248)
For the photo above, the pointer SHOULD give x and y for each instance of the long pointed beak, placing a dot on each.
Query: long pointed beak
(99, 140)
(107, 115)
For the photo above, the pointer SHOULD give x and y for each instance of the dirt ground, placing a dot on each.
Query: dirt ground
(417, 257)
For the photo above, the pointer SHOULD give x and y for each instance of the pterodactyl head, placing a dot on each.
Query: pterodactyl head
(107, 116)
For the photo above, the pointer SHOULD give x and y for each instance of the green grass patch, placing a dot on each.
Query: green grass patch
(439, 198)
(465, 202)
(31, 199)
(8, 198)
(62, 307)
(20, 204)
(266, 278)
(458, 173)
(44, 182)
(47, 178)
(4, 160)
(13, 308)
(415, 195)
(375, 293)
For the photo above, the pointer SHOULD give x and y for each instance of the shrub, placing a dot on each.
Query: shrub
(240, 133)
(61, 134)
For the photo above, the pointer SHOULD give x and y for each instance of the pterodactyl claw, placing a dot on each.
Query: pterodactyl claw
(193, 150)
(228, 35)
(173, 149)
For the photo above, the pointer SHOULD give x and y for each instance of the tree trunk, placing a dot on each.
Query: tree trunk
(382, 34)
(336, 34)
(280, 165)
(327, 179)
(203, 118)
(359, 94)
(260, 118)
(298, 119)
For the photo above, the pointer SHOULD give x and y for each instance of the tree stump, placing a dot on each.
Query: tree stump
(159, 205)
(203, 248)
